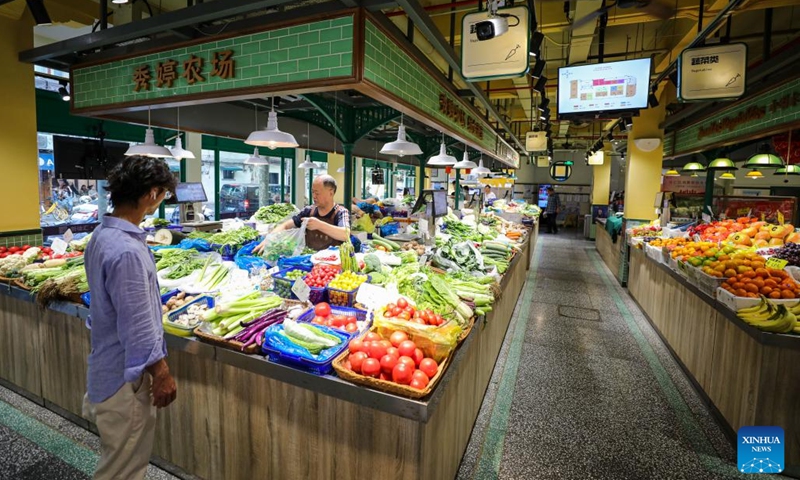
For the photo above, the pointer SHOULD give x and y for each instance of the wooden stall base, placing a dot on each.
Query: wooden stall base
(749, 379)
(608, 250)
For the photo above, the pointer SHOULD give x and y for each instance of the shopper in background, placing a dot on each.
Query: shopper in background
(327, 223)
(552, 210)
(488, 195)
(128, 376)
(368, 206)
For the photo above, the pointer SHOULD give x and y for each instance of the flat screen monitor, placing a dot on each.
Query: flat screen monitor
(190, 192)
(86, 158)
(604, 87)
(432, 202)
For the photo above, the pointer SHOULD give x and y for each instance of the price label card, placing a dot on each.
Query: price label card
(706, 218)
(68, 235)
(273, 270)
(371, 296)
(423, 227)
(776, 263)
(301, 290)
(59, 246)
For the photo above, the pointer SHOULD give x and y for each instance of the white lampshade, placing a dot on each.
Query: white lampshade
(308, 164)
(149, 147)
(271, 137)
(179, 152)
(465, 162)
(481, 170)
(256, 159)
(340, 170)
(401, 146)
(441, 160)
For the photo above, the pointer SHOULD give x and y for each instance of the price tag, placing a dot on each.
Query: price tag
(371, 296)
(273, 270)
(706, 218)
(68, 235)
(780, 218)
(301, 290)
(776, 263)
(59, 246)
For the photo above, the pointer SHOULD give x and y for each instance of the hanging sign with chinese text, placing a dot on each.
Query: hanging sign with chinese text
(716, 72)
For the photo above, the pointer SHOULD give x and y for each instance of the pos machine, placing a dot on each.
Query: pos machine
(186, 195)
(430, 205)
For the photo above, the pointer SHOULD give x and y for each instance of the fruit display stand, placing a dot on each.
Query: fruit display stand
(242, 416)
(748, 376)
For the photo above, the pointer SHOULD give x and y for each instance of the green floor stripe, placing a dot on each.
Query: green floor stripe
(48, 439)
(492, 451)
(691, 428)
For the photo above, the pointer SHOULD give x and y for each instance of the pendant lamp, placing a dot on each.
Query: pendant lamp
(727, 176)
(694, 165)
(694, 175)
(764, 158)
(149, 148)
(481, 170)
(465, 162)
(754, 174)
(401, 146)
(178, 151)
(340, 170)
(722, 163)
(308, 164)
(788, 170)
(443, 159)
(256, 159)
(672, 173)
(271, 137)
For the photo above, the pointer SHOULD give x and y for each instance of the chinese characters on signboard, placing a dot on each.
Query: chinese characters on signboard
(222, 65)
(457, 114)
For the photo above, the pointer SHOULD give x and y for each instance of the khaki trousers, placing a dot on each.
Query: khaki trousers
(126, 422)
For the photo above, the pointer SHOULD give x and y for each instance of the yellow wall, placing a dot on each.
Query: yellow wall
(19, 184)
(601, 180)
(643, 172)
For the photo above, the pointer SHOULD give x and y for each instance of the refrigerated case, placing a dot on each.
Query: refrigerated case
(733, 206)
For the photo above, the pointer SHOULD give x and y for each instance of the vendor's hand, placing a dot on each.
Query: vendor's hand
(313, 223)
(260, 247)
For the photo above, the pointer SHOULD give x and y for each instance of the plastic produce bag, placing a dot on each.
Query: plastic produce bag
(297, 261)
(435, 342)
(197, 243)
(364, 224)
(274, 339)
(286, 243)
(245, 259)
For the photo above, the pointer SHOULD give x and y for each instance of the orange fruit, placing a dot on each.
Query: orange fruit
(775, 294)
(743, 293)
(766, 290)
(751, 287)
(787, 294)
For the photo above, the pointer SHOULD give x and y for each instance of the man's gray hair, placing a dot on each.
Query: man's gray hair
(328, 181)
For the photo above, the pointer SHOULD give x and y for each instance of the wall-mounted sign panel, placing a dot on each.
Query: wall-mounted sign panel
(560, 171)
(536, 141)
(543, 161)
(502, 56)
(715, 72)
(597, 158)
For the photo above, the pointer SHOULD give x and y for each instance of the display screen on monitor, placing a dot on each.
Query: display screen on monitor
(190, 192)
(85, 158)
(433, 202)
(604, 87)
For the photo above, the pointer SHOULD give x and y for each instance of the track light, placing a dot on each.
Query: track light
(629, 124)
(39, 12)
(64, 92)
(543, 104)
(538, 68)
(119, 2)
(536, 43)
(539, 86)
(652, 101)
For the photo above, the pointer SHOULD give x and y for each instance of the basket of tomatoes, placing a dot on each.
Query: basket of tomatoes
(391, 363)
(349, 320)
(317, 280)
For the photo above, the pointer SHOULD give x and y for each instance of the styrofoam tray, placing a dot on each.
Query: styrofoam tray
(737, 303)
(654, 253)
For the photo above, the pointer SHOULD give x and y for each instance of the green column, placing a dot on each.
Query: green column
(421, 179)
(182, 163)
(283, 178)
(458, 188)
(363, 181)
(216, 183)
(310, 186)
(708, 199)
(348, 174)
(294, 182)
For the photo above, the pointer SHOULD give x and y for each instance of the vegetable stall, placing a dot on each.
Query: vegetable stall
(276, 359)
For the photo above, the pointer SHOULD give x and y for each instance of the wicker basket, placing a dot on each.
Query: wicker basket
(385, 386)
(21, 284)
(467, 330)
(229, 344)
(7, 280)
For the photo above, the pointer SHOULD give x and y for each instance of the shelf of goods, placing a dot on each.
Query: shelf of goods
(242, 416)
(751, 377)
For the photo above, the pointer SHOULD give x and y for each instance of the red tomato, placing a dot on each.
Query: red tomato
(357, 361)
(408, 361)
(397, 311)
(415, 383)
(418, 320)
(322, 309)
(356, 345)
(387, 363)
(401, 373)
(402, 302)
(338, 321)
(404, 316)
(386, 343)
(397, 338)
(392, 351)
(25, 247)
(3, 255)
(425, 316)
(418, 356)
(429, 366)
(421, 376)
(386, 377)
(351, 328)
(409, 309)
(371, 337)
(390, 306)
(377, 350)
(371, 367)
(3, 249)
(13, 249)
(388, 314)
(318, 320)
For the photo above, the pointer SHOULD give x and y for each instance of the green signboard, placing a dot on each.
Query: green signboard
(313, 51)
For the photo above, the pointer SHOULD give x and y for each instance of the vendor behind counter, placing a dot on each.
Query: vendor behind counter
(327, 223)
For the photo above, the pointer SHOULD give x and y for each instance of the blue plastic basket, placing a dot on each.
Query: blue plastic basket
(322, 366)
(361, 315)
(351, 295)
(169, 319)
(391, 228)
(284, 284)
(227, 251)
(87, 298)
(165, 298)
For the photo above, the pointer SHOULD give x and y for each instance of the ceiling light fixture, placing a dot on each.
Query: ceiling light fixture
(465, 162)
(754, 174)
(442, 159)
(481, 170)
(401, 146)
(272, 137)
(64, 91)
(764, 158)
(727, 176)
(672, 173)
(256, 159)
(178, 151)
(308, 164)
(149, 148)
(119, 2)
(788, 170)
(722, 163)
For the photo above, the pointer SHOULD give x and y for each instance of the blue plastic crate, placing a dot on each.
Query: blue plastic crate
(169, 318)
(350, 295)
(228, 252)
(165, 298)
(284, 285)
(317, 364)
(391, 228)
(361, 315)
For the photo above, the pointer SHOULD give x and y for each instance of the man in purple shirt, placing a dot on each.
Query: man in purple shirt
(128, 377)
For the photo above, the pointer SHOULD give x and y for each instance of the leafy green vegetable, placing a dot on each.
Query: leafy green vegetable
(372, 263)
(173, 256)
(185, 268)
(274, 213)
(235, 238)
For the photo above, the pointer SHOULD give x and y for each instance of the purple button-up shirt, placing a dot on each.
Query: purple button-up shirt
(127, 334)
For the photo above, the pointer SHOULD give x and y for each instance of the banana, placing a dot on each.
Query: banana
(796, 328)
(782, 321)
(754, 308)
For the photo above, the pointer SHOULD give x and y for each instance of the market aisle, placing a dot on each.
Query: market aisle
(35, 443)
(584, 387)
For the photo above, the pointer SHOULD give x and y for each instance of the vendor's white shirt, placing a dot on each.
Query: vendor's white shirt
(490, 197)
